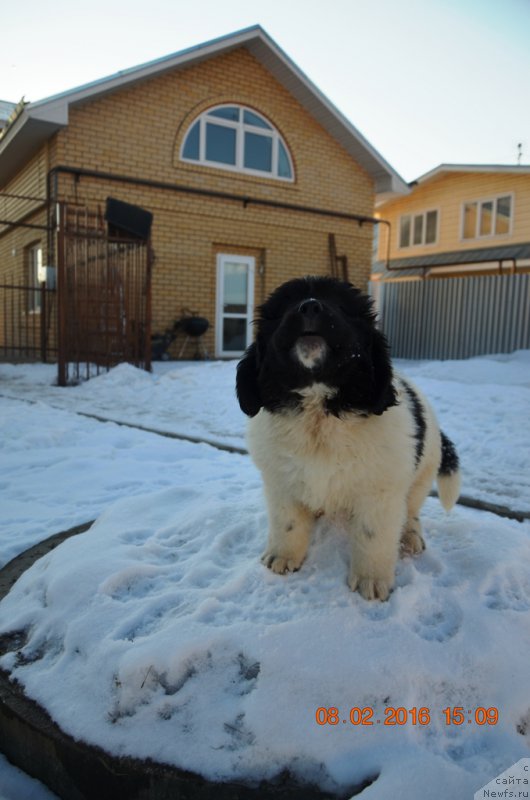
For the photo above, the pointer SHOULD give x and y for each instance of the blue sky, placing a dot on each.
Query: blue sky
(426, 81)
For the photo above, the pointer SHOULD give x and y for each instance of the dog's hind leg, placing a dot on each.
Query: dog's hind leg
(412, 541)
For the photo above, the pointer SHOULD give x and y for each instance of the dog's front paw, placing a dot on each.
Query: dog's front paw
(371, 588)
(281, 564)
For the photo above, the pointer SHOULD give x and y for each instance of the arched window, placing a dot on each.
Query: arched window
(237, 138)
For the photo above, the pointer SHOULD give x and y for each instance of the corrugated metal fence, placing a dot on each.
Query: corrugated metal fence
(456, 317)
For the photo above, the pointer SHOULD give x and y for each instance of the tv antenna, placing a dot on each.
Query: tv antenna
(519, 153)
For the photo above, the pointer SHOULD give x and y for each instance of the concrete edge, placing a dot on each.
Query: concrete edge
(463, 500)
(74, 770)
(11, 572)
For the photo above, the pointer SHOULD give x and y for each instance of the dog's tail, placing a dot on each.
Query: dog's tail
(448, 478)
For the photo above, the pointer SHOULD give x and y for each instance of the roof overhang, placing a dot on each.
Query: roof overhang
(21, 141)
(444, 169)
(419, 266)
(38, 121)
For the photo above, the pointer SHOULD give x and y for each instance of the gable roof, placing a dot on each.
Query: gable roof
(443, 169)
(37, 122)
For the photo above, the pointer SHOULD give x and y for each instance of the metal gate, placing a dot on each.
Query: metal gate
(103, 296)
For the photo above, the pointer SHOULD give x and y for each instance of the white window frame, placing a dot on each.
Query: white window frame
(221, 315)
(412, 216)
(240, 128)
(480, 202)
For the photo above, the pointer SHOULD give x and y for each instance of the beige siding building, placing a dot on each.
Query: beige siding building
(457, 220)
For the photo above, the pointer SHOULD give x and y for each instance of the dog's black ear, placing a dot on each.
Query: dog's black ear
(383, 396)
(247, 388)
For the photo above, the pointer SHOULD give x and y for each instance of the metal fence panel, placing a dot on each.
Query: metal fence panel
(27, 322)
(456, 317)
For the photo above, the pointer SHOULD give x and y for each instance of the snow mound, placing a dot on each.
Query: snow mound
(159, 634)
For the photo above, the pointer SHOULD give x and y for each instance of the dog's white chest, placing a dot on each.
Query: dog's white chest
(312, 429)
(311, 453)
(328, 463)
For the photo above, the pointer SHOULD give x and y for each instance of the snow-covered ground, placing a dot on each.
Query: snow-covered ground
(172, 625)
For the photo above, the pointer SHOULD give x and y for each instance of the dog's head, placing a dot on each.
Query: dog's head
(316, 330)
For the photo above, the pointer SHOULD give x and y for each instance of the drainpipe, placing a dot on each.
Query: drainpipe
(245, 200)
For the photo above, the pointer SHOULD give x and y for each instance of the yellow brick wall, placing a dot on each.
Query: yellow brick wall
(189, 232)
(447, 193)
(16, 323)
(138, 132)
(30, 187)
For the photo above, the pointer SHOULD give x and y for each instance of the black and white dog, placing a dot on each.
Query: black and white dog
(333, 430)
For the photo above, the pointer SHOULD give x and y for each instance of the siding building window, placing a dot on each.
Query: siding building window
(237, 138)
(491, 217)
(418, 229)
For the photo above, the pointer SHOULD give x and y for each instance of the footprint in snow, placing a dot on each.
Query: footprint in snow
(509, 590)
(437, 619)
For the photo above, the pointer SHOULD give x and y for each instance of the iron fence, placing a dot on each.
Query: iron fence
(28, 316)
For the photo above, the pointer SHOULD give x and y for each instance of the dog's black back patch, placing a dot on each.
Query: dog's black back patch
(450, 461)
(418, 414)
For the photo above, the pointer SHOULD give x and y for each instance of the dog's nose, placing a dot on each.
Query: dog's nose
(310, 307)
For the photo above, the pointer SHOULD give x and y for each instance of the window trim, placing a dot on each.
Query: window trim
(412, 216)
(479, 202)
(241, 127)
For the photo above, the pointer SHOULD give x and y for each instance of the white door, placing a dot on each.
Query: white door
(235, 304)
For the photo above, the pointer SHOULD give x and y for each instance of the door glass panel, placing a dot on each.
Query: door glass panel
(220, 144)
(235, 288)
(234, 335)
(235, 303)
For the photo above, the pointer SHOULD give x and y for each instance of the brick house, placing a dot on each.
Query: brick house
(251, 174)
